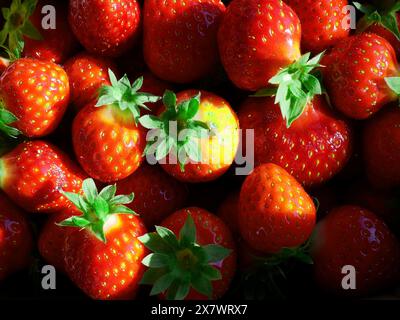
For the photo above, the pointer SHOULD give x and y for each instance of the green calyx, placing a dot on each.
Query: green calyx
(394, 84)
(386, 17)
(125, 96)
(296, 87)
(7, 118)
(17, 24)
(177, 265)
(176, 130)
(96, 207)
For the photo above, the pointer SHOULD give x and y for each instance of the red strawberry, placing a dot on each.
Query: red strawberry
(15, 238)
(102, 254)
(354, 236)
(382, 20)
(108, 142)
(180, 38)
(322, 23)
(382, 148)
(24, 21)
(275, 211)
(313, 149)
(105, 27)
(52, 237)
(33, 96)
(361, 75)
(87, 74)
(206, 140)
(157, 194)
(34, 173)
(195, 253)
(228, 211)
(256, 39)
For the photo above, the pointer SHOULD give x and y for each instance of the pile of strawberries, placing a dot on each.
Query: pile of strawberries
(89, 90)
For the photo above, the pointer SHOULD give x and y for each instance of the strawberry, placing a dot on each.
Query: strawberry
(180, 38)
(256, 39)
(193, 256)
(382, 148)
(322, 23)
(23, 22)
(196, 137)
(360, 75)
(354, 236)
(102, 253)
(313, 149)
(87, 74)
(157, 194)
(274, 210)
(52, 237)
(107, 139)
(33, 97)
(382, 20)
(228, 211)
(15, 238)
(34, 173)
(105, 27)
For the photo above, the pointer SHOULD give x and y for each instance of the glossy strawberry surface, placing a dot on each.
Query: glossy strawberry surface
(256, 39)
(87, 74)
(355, 72)
(315, 147)
(34, 173)
(110, 270)
(105, 27)
(354, 236)
(37, 93)
(323, 23)
(275, 212)
(180, 38)
(107, 142)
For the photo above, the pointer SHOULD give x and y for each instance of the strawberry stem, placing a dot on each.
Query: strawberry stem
(125, 96)
(181, 140)
(96, 207)
(177, 265)
(294, 87)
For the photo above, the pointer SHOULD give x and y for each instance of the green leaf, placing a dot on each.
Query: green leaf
(122, 199)
(187, 235)
(101, 208)
(113, 78)
(98, 230)
(216, 253)
(150, 122)
(156, 260)
(152, 275)
(193, 150)
(162, 284)
(182, 290)
(73, 197)
(169, 99)
(30, 31)
(7, 117)
(108, 192)
(394, 84)
(74, 221)
(202, 285)
(389, 21)
(264, 92)
(119, 209)
(90, 190)
(155, 243)
(137, 84)
(193, 108)
(211, 273)
(168, 236)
